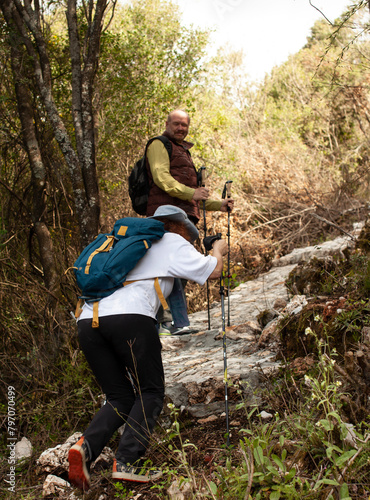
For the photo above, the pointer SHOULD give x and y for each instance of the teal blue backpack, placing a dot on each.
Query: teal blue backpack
(103, 265)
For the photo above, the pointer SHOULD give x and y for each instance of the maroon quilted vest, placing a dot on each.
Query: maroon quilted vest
(182, 169)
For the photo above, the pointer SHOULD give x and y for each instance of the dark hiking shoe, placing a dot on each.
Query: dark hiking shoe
(127, 472)
(167, 329)
(79, 465)
(183, 330)
(164, 330)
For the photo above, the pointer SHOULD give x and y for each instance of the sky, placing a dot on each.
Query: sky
(267, 31)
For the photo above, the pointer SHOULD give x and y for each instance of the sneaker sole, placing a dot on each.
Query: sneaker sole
(135, 478)
(188, 332)
(78, 473)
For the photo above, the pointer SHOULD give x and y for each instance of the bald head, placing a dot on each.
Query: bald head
(177, 125)
(178, 113)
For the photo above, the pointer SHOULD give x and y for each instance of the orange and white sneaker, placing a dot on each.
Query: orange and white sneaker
(79, 464)
(127, 472)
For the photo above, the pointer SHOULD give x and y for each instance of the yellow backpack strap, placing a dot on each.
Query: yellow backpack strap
(95, 320)
(78, 310)
(105, 247)
(157, 287)
(160, 293)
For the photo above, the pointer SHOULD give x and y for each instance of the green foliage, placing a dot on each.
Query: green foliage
(148, 64)
(333, 275)
(67, 393)
(351, 321)
(274, 460)
(267, 467)
(122, 490)
(233, 281)
(262, 472)
(317, 102)
(344, 313)
(181, 449)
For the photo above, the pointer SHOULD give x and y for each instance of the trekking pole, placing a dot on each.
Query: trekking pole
(225, 357)
(202, 182)
(227, 192)
(208, 242)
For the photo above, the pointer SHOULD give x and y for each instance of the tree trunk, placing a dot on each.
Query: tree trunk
(25, 24)
(38, 173)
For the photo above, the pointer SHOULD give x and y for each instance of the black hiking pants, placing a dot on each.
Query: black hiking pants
(124, 354)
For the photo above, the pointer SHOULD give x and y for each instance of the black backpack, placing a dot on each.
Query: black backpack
(138, 182)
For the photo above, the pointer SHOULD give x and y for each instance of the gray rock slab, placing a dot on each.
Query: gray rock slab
(198, 358)
(195, 362)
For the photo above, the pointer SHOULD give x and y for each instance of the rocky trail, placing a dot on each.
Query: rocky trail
(194, 363)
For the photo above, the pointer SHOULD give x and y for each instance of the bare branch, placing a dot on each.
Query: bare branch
(323, 15)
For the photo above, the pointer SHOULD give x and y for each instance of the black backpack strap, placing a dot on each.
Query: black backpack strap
(166, 142)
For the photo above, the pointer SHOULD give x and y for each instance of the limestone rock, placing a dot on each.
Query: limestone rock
(300, 366)
(265, 415)
(57, 457)
(268, 334)
(334, 247)
(366, 335)
(180, 490)
(56, 486)
(211, 418)
(23, 449)
(279, 304)
(351, 439)
(296, 305)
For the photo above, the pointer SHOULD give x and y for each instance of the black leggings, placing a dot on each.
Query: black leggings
(124, 354)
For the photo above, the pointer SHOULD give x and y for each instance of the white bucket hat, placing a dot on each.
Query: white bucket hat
(176, 213)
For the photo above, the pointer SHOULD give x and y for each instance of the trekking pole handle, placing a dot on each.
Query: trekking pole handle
(209, 240)
(227, 190)
(203, 176)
